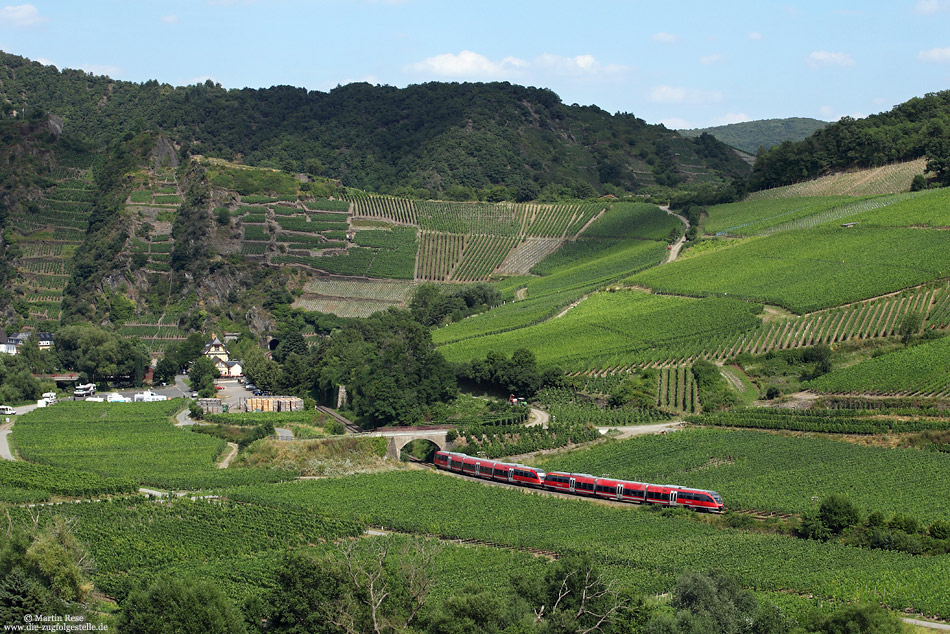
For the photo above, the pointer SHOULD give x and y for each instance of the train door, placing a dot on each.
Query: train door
(619, 491)
(478, 469)
(672, 498)
(511, 475)
(571, 485)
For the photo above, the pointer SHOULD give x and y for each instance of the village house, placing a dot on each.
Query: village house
(218, 354)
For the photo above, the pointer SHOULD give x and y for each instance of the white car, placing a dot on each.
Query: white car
(115, 397)
(6, 410)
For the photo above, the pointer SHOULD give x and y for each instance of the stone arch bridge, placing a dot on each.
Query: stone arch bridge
(399, 437)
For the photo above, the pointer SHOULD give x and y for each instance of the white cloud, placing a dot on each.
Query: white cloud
(679, 94)
(45, 62)
(170, 19)
(732, 117)
(935, 55)
(929, 7)
(879, 101)
(822, 59)
(755, 35)
(21, 15)
(471, 65)
(467, 64)
(102, 69)
(709, 60)
(675, 123)
(666, 38)
(578, 65)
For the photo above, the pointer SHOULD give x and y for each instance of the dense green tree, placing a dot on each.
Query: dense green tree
(389, 366)
(863, 619)
(100, 354)
(171, 605)
(202, 374)
(43, 570)
(838, 513)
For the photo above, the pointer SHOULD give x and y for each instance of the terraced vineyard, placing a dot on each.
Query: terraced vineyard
(888, 179)
(921, 370)
(467, 242)
(769, 216)
(822, 421)
(811, 269)
(353, 298)
(527, 254)
(678, 389)
(876, 318)
(665, 327)
(48, 237)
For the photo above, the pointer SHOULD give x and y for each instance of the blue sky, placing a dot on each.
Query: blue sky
(683, 63)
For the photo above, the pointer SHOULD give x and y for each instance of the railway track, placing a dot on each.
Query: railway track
(350, 426)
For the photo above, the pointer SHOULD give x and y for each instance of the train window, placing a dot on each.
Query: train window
(633, 492)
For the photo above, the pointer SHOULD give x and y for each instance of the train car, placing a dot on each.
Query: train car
(700, 499)
(489, 469)
(581, 483)
(577, 483)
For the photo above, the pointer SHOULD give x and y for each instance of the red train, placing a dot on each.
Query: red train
(581, 483)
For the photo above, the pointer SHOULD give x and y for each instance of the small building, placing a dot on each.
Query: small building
(215, 350)
(229, 369)
(8, 345)
(218, 354)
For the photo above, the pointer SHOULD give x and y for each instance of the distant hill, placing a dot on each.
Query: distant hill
(751, 135)
(427, 140)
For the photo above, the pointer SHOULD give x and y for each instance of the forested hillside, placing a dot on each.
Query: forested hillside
(918, 127)
(428, 140)
(749, 136)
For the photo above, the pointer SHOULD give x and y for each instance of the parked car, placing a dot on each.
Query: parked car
(6, 410)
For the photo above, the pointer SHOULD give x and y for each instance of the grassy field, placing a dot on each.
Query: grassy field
(810, 270)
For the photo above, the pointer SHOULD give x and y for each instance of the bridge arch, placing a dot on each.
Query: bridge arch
(396, 443)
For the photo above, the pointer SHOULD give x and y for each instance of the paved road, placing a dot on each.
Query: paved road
(927, 624)
(6, 427)
(675, 251)
(5, 453)
(284, 434)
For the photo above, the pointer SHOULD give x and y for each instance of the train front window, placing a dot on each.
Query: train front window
(716, 497)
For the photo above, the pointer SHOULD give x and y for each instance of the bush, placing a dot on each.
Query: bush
(334, 428)
(837, 513)
(940, 529)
